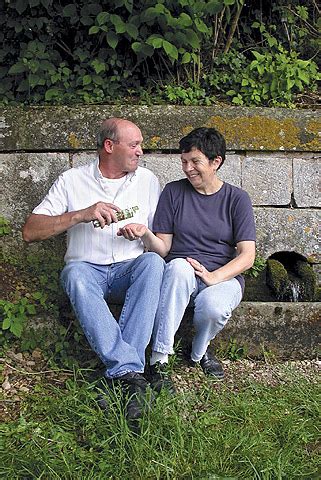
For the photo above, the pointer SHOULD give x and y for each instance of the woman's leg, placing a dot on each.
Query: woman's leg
(178, 284)
(213, 308)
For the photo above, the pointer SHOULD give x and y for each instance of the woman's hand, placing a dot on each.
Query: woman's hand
(207, 277)
(132, 231)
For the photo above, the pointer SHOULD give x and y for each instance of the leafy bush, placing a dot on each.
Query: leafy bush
(185, 51)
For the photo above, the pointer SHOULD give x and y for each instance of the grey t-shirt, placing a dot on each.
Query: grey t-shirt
(205, 227)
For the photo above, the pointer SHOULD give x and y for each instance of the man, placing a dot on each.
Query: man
(101, 266)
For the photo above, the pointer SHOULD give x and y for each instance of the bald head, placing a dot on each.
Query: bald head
(111, 128)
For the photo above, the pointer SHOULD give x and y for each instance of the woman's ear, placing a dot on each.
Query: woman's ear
(217, 162)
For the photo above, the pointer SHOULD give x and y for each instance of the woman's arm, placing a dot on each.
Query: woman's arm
(159, 243)
(244, 260)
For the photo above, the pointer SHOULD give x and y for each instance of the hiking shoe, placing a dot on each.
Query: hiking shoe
(135, 392)
(160, 378)
(211, 366)
(135, 387)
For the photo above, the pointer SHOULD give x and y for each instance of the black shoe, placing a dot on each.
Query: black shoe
(135, 392)
(211, 366)
(160, 378)
(135, 387)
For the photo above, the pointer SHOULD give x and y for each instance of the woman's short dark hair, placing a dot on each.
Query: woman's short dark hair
(209, 141)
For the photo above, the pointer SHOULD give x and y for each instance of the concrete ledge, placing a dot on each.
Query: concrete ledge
(283, 330)
(44, 128)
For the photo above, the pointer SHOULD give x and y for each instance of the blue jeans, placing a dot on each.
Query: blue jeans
(213, 307)
(135, 283)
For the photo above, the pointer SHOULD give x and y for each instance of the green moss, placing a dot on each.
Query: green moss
(258, 132)
(308, 280)
(277, 278)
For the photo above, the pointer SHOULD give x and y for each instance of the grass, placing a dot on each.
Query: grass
(209, 433)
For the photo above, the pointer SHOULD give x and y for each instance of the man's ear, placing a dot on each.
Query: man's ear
(108, 145)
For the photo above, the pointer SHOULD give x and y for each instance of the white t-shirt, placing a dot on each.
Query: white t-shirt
(81, 187)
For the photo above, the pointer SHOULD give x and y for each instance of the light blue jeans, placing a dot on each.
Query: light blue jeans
(213, 307)
(135, 283)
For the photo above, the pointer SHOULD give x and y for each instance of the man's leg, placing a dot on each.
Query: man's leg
(86, 285)
(139, 282)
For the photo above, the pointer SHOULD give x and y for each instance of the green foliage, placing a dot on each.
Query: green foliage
(232, 350)
(274, 78)
(250, 432)
(5, 227)
(186, 52)
(14, 315)
(258, 266)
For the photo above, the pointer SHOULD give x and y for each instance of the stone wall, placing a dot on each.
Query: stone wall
(274, 154)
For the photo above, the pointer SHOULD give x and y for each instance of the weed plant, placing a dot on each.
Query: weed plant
(256, 432)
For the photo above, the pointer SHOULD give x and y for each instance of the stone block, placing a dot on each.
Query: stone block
(231, 170)
(167, 168)
(286, 229)
(26, 179)
(306, 182)
(268, 179)
(285, 330)
(82, 158)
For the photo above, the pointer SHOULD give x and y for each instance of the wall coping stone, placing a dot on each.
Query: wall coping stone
(64, 128)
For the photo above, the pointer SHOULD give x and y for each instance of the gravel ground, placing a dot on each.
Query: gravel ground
(23, 372)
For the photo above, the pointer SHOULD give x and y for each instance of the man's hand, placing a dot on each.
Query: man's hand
(132, 231)
(104, 212)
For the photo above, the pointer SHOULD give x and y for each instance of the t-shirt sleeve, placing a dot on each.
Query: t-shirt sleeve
(164, 215)
(243, 218)
(154, 193)
(55, 202)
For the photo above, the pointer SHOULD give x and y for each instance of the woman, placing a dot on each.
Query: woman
(204, 228)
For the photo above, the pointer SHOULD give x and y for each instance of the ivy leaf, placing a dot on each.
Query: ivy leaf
(170, 49)
(192, 39)
(86, 80)
(6, 324)
(132, 30)
(201, 27)
(186, 57)
(118, 23)
(94, 29)
(70, 10)
(303, 76)
(142, 49)
(17, 68)
(21, 6)
(155, 41)
(112, 39)
(16, 328)
(102, 18)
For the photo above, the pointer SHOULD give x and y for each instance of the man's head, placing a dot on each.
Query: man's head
(208, 141)
(119, 144)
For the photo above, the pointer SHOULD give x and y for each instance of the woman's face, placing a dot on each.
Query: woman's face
(199, 170)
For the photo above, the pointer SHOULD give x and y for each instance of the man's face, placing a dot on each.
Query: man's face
(128, 149)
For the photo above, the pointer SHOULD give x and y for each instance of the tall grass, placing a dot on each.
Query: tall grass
(258, 432)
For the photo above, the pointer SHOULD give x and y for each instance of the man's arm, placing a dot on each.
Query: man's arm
(40, 227)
